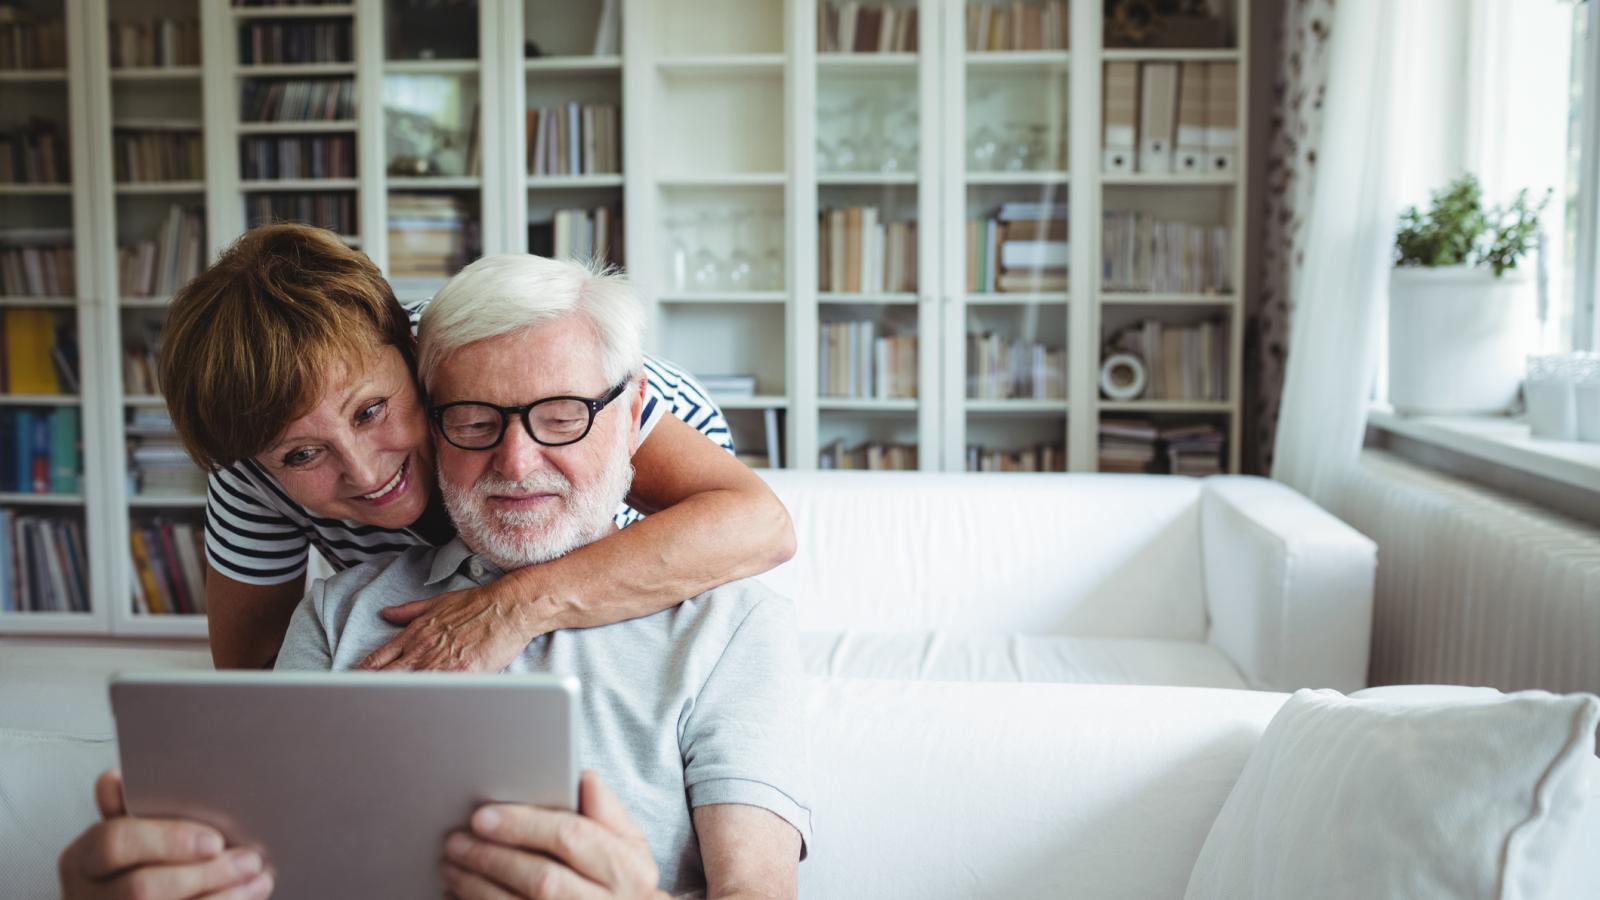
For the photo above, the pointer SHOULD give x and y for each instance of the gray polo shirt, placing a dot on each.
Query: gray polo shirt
(696, 705)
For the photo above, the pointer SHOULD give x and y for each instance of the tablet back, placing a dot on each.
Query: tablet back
(349, 782)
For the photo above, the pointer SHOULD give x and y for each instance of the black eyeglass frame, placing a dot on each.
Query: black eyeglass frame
(436, 415)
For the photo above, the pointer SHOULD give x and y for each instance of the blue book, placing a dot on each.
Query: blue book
(22, 464)
(64, 451)
(39, 462)
(8, 449)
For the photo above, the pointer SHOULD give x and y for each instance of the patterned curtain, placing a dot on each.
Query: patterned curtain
(1294, 130)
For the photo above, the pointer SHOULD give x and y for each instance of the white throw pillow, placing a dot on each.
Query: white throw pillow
(1379, 798)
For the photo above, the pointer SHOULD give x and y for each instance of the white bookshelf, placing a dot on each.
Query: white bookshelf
(723, 104)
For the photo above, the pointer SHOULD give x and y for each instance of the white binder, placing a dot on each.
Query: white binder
(1120, 141)
(1191, 156)
(1222, 117)
(1158, 115)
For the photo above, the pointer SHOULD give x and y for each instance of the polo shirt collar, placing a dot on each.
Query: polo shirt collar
(448, 559)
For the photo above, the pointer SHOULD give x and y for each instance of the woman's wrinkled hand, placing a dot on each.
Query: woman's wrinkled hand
(463, 631)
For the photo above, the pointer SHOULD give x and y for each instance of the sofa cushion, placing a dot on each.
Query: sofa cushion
(1081, 555)
(947, 656)
(62, 687)
(46, 800)
(1375, 798)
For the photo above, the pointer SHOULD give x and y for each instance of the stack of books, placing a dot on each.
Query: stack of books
(872, 455)
(333, 211)
(575, 139)
(38, 352)
(321, 156)
(27, 44)
(1043, 458)
(859, 253)
(1017, 26)
(427, 235)
(857, 361)
(1022, 248)
(42, 564)
(1127, 445)
(866, 28)
(36, 262)
(720, 386)
(275, 43)
(40, 451)
(158, 466)
(1193, 449)
(1163, 117)
(168, 576)
(34, 153)
(159, 265)
(323, 100)
(142, 153)
(1143, 254)
(1182, 362)
(578, 234)
(998, 369)
(155, 43)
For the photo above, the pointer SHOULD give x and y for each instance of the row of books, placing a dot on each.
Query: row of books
(1041, 458)
(1181, 362)
(322, 100)
(141, 154)
(168, 576)
(866, 28)
(31, 45)
(1139, 446)
(140, 351)
(856, 360)
(770, 454)
(155, 43)
(1141, 253)
(998, 369)
(36, 262)
(1171, 117)
(38, 352)
(40, 450)
(157, 266)
(1021, 248)
(271, 43)
(158, 466)
(580, 234)
(859, 253)
(44, 564)
(309, 156)
(34, 152)
(1017, 26)
(429, 235)
(335, 210)
(870, 455)
(575, 139)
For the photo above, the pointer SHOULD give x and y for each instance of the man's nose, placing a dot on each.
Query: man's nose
(519, 455)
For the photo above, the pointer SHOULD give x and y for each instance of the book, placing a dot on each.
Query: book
(1157, 116)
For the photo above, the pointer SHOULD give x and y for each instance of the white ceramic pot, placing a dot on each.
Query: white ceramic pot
(1458, 337)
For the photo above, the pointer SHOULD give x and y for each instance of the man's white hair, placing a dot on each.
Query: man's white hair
(509, 292)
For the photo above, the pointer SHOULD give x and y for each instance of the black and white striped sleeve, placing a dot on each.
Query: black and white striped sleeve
(671, 389)
(248, 538)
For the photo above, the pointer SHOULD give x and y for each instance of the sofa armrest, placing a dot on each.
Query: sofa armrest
(1288, 586)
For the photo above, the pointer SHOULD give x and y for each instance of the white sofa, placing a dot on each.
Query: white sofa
(1117, 579)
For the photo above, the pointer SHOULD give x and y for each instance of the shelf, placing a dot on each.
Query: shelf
(1167, 179)
(295, 70)
(1020, 407)
(300, 184)
(1034, 177)
(740, 179)
(36, 190)
(23, 76)
(1134, 299)
(40, 400)
(144, 302)
(842, 299)
(1195, 54)
(848, 404)
(157, 73)
(1166, 406)
(434, 182)
(51, 623)
(174, 501)
(336, 125)
(759, 401)
(167, 625)
(866, 62)
(309, 11)
(40, 302)
(725, 297)
(430, 67)
(574, 64)
(12, 498)
(143, 400)
(866, 178)
(723, 64)
(1018, 299)
(158, 125)
(1011, 59)
(162, 187)
(560, 182)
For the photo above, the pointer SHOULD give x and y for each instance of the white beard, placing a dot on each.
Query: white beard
(513, 539)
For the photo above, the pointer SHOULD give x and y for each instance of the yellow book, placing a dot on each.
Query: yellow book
(30, 339)
(154, 596)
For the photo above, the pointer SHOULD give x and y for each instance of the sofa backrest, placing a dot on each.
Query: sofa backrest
(1084, 555)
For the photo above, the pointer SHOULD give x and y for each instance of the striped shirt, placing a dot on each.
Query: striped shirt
(256, 534)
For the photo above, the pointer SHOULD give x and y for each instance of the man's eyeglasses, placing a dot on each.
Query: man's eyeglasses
(553, 421)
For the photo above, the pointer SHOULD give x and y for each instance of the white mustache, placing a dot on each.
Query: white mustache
(537, 483)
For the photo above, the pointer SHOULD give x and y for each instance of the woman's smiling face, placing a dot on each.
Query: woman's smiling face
(362, 453)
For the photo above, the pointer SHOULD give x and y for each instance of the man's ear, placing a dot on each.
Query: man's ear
(635, 410)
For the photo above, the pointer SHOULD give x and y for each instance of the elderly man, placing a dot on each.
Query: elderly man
(533, 371)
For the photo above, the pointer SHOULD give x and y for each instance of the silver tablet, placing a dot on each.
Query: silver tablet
(348, 782)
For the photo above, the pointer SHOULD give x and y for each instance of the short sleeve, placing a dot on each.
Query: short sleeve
(669, 389)
(744, 738)
(247, 538)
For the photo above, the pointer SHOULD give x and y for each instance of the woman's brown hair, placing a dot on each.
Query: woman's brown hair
(250, 344)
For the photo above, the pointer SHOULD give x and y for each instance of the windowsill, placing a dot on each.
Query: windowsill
(1500, 440)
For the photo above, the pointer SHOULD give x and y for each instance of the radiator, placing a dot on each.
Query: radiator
(1474, 587)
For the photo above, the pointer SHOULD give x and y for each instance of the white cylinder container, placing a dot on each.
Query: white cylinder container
(1457, 339)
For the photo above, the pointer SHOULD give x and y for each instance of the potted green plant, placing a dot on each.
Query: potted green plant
(1460, 306)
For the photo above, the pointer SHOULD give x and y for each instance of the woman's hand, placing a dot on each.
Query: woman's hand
(472, 630)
